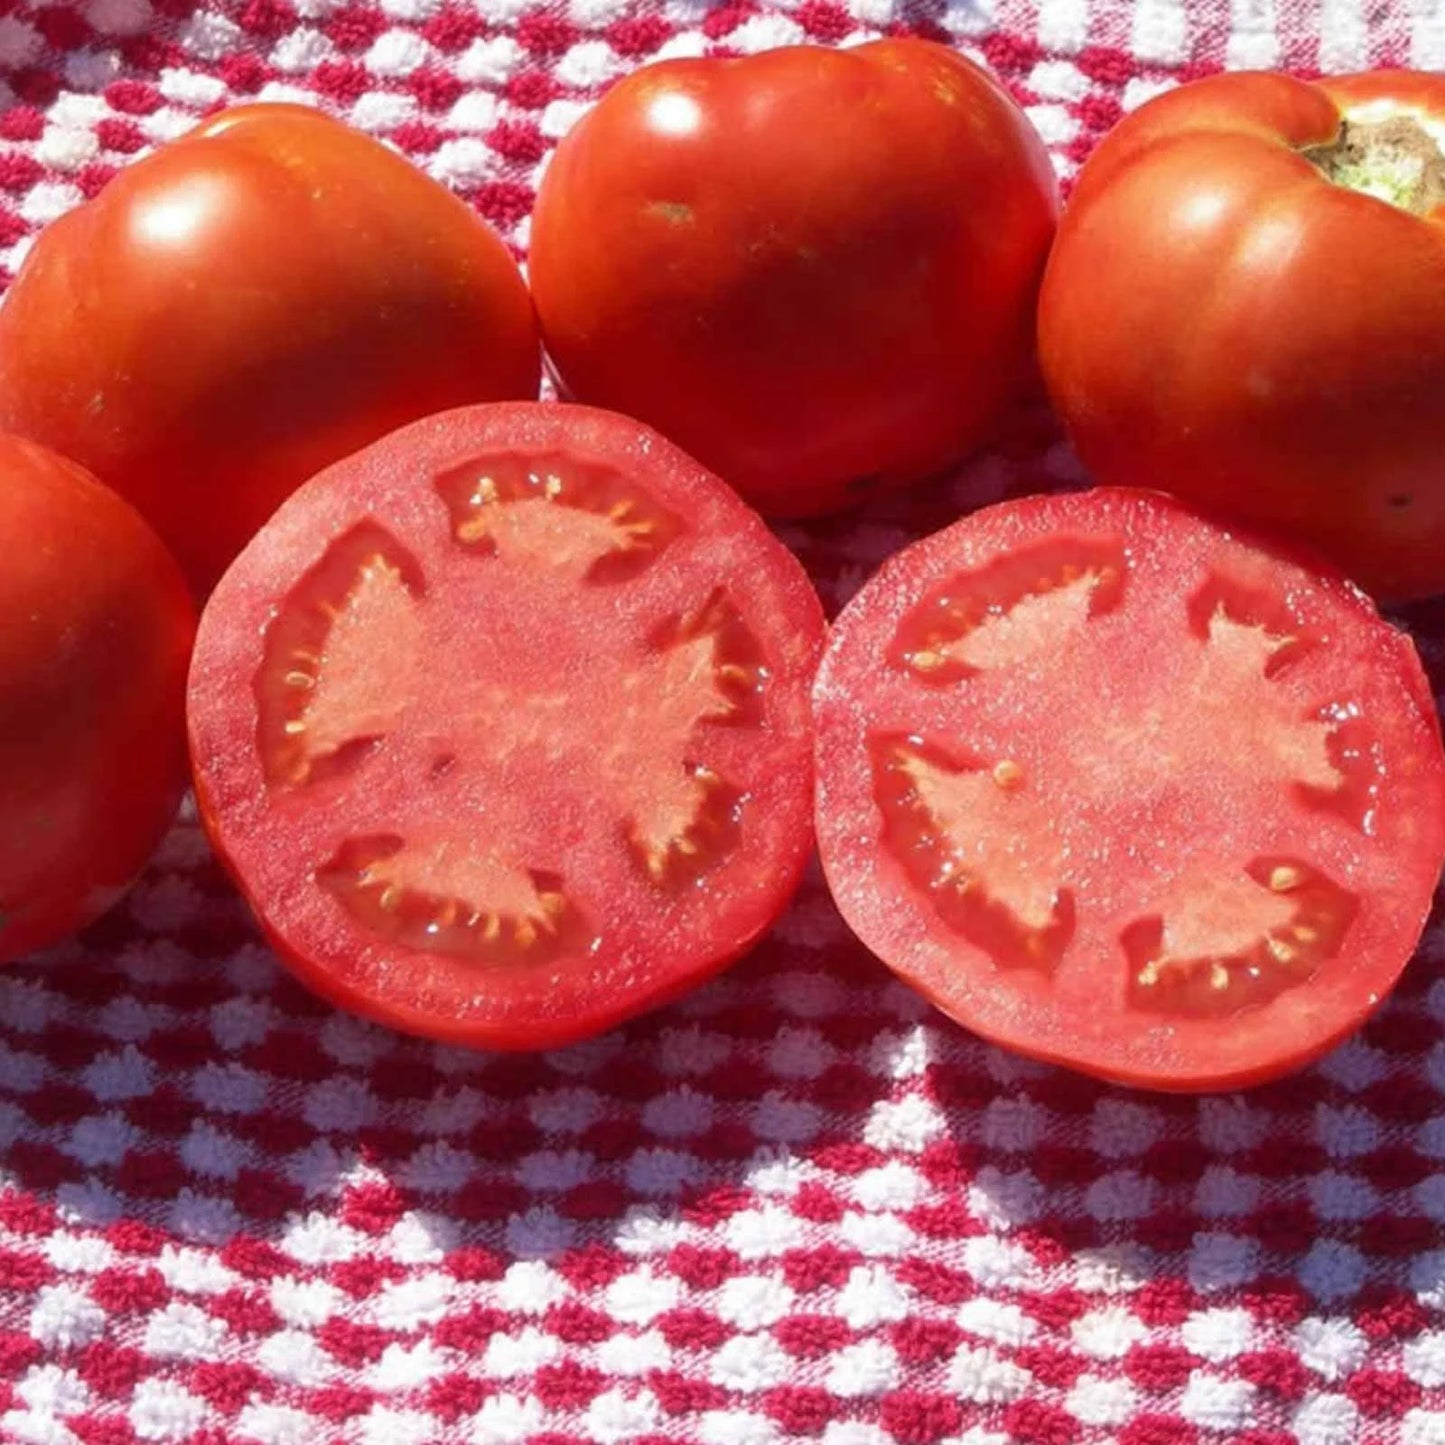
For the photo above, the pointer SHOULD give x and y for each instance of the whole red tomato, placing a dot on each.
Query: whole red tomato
(245, 306)
(1246, 306)
(96, 624)
(812, 269)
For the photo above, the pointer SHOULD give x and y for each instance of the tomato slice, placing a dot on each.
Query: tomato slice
(502, 725)
(1122, 790)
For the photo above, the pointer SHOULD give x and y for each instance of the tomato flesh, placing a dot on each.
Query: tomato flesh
(1121, 789)
(502, 725)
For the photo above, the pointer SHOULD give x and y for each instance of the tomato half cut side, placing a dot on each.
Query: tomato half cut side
(1125, 791)
(502, 725)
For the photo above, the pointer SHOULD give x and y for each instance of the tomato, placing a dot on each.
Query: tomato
(1247, 297)
(502, 725)
(1123, 790)
(815, 270)
(250, 303)
(95, 633)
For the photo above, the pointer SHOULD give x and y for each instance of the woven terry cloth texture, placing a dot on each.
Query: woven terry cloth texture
(796, 1206)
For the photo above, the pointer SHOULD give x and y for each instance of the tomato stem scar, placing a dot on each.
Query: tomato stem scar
(1389, 154)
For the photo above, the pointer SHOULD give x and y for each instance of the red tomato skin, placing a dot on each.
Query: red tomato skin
(1219, 317)
(811, 269)
(1258, 1048)
(554, 1031)
(96, 623)
(251, 302)
(231, 796)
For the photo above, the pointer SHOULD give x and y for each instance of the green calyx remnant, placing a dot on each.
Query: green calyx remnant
(1395, 160)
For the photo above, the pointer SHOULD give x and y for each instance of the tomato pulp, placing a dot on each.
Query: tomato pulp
(95, 634)
(502, 725)
(813, 269)
(1247, 297)
(247, 305)
(1123, 790)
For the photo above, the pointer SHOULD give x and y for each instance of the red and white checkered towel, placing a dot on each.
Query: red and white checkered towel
(797, 1206)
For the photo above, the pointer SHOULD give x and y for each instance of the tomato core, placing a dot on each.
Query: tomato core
(1390, 153)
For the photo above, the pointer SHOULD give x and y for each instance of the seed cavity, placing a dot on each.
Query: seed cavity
(1009, 609)
(954, 826)
(678, 844)
(1225, 601)
(449, 895)
(712, 641)
(704, 669)
(555, 514)
(1327, 754)
(336, 659)
(1234, 944)
(1356, 768)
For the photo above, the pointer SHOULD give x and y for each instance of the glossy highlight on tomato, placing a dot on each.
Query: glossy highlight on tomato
(502, 725)
(815, 270)
(96, 625)
(247, 305)
(1247, 296)
(1126, 791)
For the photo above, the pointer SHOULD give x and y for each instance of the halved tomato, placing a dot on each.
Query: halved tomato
(502, 725)
(1123, 790)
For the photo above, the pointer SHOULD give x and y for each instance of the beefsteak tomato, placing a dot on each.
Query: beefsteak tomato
(248, 304)
(502, 725)
(96, 624)
(1247, 298)
(1126, 791)
(813, 269)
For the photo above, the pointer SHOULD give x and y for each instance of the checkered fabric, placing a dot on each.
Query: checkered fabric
(798, 1205)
